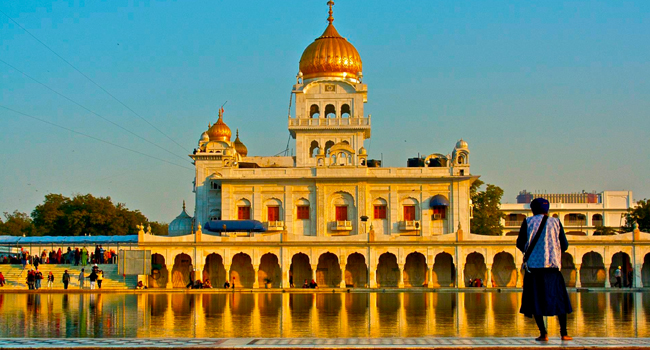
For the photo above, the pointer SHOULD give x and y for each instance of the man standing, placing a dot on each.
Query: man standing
(81, 279)
(617, 274)
(93, 278)
(65, 279)
(38, 277)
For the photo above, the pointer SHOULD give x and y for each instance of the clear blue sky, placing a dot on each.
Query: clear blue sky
(551, 95)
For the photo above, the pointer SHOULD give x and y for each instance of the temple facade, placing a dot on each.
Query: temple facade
(333, 214)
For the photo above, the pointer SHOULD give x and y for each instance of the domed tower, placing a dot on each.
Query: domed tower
(180, 226)
(239, 146)
(460, 158)
(330, 97)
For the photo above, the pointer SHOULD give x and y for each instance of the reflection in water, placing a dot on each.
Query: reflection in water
(310, 315)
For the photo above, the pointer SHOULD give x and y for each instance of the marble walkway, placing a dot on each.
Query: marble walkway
(322, 343)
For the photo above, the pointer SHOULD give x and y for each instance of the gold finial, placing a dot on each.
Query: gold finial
(330, 18)
(220, 112)
(183, 205)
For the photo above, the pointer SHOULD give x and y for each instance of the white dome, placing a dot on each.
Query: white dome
(362, 151)
(461, 144)
(182, 225)
(204, 138)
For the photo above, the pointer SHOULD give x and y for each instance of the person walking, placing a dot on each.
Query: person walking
(84, 256)
(31, 279)
(38, 275)
(93, 279)
(100, 278)
(2, 279)
(50, 280)
(65, 279)
(81, 279)
(77, 256)
(542, 240)
(618, 276)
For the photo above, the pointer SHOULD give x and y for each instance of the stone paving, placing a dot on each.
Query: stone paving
(322, 343)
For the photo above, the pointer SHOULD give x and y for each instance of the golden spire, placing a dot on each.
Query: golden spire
(330, 18)
(219, 130)
(239, 146)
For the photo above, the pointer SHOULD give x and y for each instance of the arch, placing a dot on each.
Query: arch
(515, 219)
(330, 111)
(356, 271)
(592, 270)
(214, 270)
(313, 149)
(645, 271)
(328, 271)
(243, 209)
(387, 271)
(504, 270)
(159, 272)
(568, 270)
(575, 219)
(345, 111)
(181, 270)
(270, 269)
(475, 268)
(461, 159)
(328, 145)
(273, 210)
(410, 209)
(444, 270)
(623, 260)
(300, 269)
(415, 270)
(314, 111)
(242, 274)
(597, 220)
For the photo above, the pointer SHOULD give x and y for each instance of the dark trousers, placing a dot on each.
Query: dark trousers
(99, 284)
(618, 282)
(65, 285)
(539, 319)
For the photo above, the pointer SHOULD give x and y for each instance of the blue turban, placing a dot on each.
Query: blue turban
(539, 206)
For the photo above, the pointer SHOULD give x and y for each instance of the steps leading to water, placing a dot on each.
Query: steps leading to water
(16, 276)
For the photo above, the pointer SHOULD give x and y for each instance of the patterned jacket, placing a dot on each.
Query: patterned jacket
(547, 253)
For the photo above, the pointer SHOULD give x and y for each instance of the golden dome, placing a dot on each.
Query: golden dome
(330, 55)
(219, 131)
(239, 146)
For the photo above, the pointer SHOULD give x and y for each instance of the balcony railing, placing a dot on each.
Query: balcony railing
(575, 223)
(275, 226)
(409, 225)
(513, 223)
(597, 223)
(342, 226)
(329, 122)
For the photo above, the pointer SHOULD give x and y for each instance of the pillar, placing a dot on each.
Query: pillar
(285, 276)
(578, 283)
(430, 276)
(313, 271)
(636, 276)
(227, 268)
(520, 278)
(400, 282)
(256, 281)
(608, 283)
(372, 274)
(488, 282)
(342, 284)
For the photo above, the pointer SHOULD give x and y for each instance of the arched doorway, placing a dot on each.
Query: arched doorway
(270, 271)
(475, 268)
(592, 271)
(645, 271)
(159, 272)
(300, 269)
(415, 270)
(181, 270)
(568, 270)
(504, 270)
(242, 274)
(214, 270)
(387, 271)
(328, 271)
(444, 270)
(356, 271)
(623, 260)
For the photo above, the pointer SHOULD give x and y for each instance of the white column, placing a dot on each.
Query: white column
(400, 282)
(608, 283)
(313, 271)
(342, 284)
(488, 282)
(256, 282)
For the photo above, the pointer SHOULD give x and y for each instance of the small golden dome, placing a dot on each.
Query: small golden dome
(219, 131)
(330, 55)
(239, 146)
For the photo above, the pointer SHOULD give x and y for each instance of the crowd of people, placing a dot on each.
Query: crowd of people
(74, 257)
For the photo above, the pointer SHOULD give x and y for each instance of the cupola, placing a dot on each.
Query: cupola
(239, 146)
(219, 131)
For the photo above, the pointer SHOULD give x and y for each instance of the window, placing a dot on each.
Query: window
(243, 213)
(380, 212)
(303, 212)
(273, 213)
(441, 211)
(342, 213)
(330, 111)
(409, 212)
(314, 111)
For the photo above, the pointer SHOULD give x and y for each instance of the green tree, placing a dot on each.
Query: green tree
(16, 224)
(487, 213)
(639, 214)
(159, 228)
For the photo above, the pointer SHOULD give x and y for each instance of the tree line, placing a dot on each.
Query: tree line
(59, 215)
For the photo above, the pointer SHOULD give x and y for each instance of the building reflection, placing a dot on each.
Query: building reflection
(310, 315)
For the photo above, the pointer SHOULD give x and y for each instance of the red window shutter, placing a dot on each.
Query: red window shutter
(274, 213)
(409, 212)
(380, 212)
(243, 213)
(303, 212)
(341, 213)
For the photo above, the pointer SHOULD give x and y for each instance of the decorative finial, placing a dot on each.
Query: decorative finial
(330, 18)
(183, 205)
(220, 112)
(237, 132)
